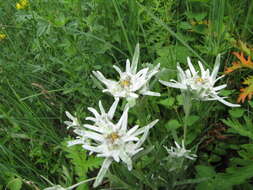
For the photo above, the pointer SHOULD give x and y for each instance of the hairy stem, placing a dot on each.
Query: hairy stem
(187, 110)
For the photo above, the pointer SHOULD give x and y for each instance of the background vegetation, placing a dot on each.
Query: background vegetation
(48, 50)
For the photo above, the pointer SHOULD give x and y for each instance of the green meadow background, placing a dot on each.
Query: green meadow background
(47, 57)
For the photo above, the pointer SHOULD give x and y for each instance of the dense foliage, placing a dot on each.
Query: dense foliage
(49, 49)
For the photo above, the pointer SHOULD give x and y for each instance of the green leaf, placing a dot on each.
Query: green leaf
(201, 28)
(43, 27)
(185, 25)
(226, 92)
(244, 130)
(192, 119)
(60, 20)
(197, 16)
(172, 124)
(168, 103)
(15, 184)
(247, 151)
(233, 176)
(205, 171)
(180, 99)
(214, 158)
(250, 103)
(236, 112)
(82, 163)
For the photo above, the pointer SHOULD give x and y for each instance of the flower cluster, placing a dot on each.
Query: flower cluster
(180, 152)
(116, 141)
(200, 85)
(113, 141)
(131, 83)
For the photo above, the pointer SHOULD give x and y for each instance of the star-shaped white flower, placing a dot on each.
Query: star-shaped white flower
(100, 119)
(180, 152)
(131, 83)
(200, 85)
(112, 141)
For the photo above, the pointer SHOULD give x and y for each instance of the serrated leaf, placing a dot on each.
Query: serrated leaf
(82, 163)
(247, 63)
(243, 130)
(246, 92)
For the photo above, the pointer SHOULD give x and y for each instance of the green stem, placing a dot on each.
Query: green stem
(122, 26)
(80, 183)
(250, 8)
(187, 110)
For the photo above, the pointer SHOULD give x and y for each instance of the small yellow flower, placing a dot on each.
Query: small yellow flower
(22, 4)
(2, 36)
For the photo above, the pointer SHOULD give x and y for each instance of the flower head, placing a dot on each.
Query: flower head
(200, 85)
(180, 152)
(112, 141)
(131, 82)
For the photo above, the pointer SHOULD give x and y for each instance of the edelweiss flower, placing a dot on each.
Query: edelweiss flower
(131, 82)
(112, 141)
(200, 85)
(180, 152)
(99, 120)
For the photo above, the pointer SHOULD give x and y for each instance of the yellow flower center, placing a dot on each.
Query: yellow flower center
(125, 83)
(199, 80)
(113, 136)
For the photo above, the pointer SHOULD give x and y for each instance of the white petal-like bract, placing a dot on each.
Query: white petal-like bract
(180, 152)
(200, 84)
(109, 139)
(131, 83)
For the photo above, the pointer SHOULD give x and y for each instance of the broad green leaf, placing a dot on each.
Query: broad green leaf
(172, 124)
(15, 184)
(192, 119)
(236, 112)
(168, 103)
(205, 171)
